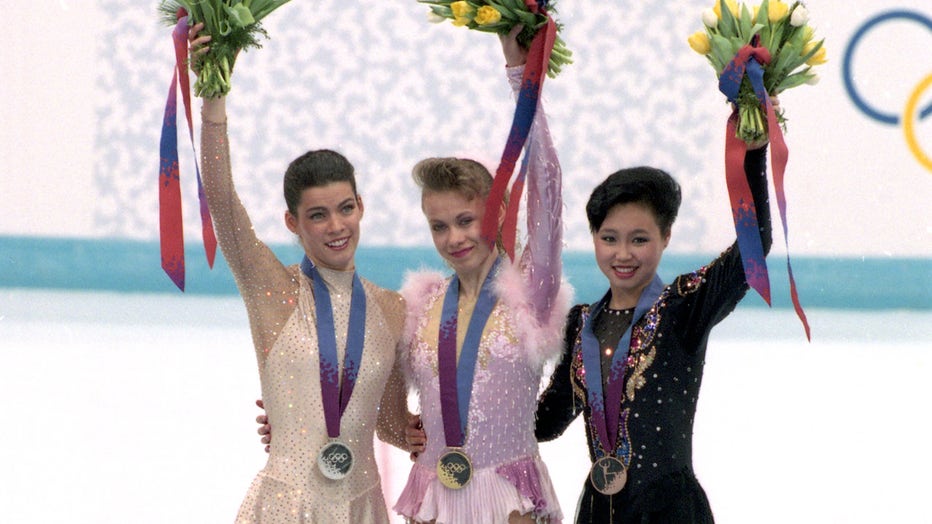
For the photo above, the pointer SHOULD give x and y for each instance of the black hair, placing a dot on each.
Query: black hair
(652, 187)
(315, 169)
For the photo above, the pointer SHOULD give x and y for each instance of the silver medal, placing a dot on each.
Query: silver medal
(335, 460)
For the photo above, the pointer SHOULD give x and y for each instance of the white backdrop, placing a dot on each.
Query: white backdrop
(83, 85)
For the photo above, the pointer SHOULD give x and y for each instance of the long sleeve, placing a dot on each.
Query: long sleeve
(259, 275)
(541, 256)
(558, 405)
(755, 167)
(393, 409)
(723, 282)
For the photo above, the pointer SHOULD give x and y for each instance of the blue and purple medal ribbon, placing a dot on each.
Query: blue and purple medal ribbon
(748, 62)
(605, 403)
(171, 229)
(456, 377)
(531, 85)
(335, 393)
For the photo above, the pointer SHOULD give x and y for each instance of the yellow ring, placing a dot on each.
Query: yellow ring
(909, 118)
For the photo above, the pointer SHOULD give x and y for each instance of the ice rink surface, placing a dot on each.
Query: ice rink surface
(139, 408)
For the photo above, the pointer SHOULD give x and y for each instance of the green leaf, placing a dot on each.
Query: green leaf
(239, 15)
(727, 24)
(721, 48)
(795, 80)
(763, 11)
(744, 23)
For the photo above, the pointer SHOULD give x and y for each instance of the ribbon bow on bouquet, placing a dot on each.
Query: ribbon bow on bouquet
(757, 53)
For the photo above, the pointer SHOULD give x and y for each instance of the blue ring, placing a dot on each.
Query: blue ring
(849, 53)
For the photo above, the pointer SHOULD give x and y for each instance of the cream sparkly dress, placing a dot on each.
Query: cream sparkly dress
(523, 332)
(280, 305)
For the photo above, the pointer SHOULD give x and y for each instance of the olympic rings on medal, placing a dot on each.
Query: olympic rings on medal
(909, 114)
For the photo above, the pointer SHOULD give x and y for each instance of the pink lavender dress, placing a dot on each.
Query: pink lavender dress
(521, 335)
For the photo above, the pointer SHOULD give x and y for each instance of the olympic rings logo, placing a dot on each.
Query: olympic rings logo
(335, 457)
(912, 103)
(453, 468)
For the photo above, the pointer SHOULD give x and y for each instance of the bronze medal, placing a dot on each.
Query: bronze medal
(608, 475)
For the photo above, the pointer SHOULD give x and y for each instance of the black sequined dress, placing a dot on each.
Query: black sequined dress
(661, 385)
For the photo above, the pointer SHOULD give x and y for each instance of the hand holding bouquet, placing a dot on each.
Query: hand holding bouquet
(233, 25)
(773, 28)
(500, 16)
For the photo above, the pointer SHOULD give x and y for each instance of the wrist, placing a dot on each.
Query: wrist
(213, 110)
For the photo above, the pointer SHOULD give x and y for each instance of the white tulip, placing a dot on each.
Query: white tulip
(799, 17)
(434, 18)
(709, 18)
(813, 79)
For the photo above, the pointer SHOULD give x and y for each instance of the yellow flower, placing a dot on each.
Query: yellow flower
(732, 6)
(487, 15)
(461, 9)
(818, 58)
(699, 41)
(461, 21)
(777, 10)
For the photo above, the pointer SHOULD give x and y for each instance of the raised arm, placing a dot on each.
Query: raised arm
(755, 167)
(260, 277)
(541, 256)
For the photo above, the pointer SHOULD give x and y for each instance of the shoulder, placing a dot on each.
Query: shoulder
(418, 286)
(690, 283)
(390, 302)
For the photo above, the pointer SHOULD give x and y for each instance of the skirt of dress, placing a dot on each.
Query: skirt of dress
(491, 496)
(270, 500)
(675, 498)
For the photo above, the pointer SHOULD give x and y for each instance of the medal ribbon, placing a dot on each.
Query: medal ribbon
(605, 408)
(456, 377)
(171, 229)
(335, 393)
(748, 62)
(532, 82)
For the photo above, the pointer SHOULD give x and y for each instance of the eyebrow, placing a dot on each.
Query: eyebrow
(639, 231)
(324, 208)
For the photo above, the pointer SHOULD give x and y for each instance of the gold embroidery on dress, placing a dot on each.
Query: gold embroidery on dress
(643, 349)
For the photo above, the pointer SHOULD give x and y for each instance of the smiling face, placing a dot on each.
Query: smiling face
(628, 247)
(456, 228)
(327, 222)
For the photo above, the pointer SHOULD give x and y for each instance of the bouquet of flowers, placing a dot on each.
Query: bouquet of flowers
(232, 24)
(783, 30)
(500, 16)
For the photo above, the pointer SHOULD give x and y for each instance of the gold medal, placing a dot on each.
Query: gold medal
(454, 468)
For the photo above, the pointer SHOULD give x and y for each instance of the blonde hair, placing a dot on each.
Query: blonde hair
(462, 175)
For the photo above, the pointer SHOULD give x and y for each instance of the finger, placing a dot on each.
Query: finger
(268, 449)
(266, 440)
(195, 29)
(264, 430)
(262, 419)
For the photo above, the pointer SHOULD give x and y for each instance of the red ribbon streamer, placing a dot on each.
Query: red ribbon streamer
(171, 226)
(532, 81)
(735, 150)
